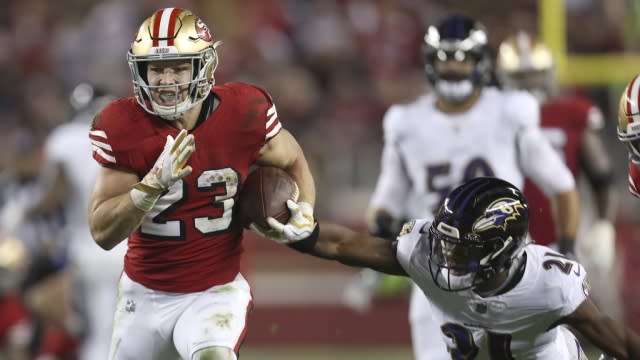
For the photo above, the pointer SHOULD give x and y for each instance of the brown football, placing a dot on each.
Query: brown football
(265, 194)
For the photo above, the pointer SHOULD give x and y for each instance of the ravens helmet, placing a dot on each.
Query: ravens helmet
(458, 38)
(480, 229)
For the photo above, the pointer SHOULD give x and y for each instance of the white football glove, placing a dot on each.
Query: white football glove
(300, 225)
(169, 168)
(598, 246)
(360, 290)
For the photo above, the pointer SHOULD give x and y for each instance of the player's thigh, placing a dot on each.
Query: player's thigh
(142, 324)
(217, 318)
(419, 305)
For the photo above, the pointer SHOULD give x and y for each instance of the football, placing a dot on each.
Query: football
(265, 194)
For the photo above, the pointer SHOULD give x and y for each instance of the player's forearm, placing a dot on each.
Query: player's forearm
(606, 202)
(114, 220)
(567, 217)
(624, 346)
(339, 243)
(300, 172)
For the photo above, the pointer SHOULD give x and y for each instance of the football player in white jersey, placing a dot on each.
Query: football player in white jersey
(494, 294)
(464, 129)
(67, 181)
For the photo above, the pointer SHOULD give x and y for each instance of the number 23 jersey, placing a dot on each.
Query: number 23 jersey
(189, 241)
(515, 324)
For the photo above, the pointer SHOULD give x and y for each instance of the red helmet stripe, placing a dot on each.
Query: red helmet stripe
(156, 26)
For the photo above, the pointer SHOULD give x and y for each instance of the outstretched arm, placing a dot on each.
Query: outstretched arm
(336, 242)
(608, 335)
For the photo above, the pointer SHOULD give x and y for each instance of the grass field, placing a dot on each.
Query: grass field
(323, 353)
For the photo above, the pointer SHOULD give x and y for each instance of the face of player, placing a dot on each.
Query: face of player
(454, 70)
(169, 81)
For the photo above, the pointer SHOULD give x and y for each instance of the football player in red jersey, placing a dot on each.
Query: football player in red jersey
(174, 159)
(571, 123)
(15, 321)
(629, 130)
(26, 289)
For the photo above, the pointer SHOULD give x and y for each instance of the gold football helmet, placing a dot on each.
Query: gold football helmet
(525, 63)
(629, 118)
(173, 34)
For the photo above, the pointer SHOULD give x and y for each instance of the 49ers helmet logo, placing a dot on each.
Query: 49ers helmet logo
(203, 31)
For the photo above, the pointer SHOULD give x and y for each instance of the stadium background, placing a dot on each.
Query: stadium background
(333, 67)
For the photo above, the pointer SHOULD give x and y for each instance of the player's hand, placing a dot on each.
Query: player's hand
(168, 168)
(300, 225)
(598, 247)
(269, 233)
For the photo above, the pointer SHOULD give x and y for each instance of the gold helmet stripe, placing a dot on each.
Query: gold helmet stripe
(164, 25)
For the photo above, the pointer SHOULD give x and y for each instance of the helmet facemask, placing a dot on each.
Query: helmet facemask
(463, 265)
(203, 65)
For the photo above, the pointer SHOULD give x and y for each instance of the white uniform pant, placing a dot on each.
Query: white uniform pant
(426, 337)
(154, 325)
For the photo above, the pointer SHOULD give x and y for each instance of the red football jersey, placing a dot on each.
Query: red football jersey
(563, 121)
(15, 320)
(190, 240)
(634, 178)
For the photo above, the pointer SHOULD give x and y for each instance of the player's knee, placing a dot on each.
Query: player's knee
(214, 353)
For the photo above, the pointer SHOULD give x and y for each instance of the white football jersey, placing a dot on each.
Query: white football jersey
(69, 147)
(515, 323)
(427, 152)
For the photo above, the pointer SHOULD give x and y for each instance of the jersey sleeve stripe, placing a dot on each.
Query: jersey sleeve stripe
(98, 133)
(272, 114)
(101, 145)
(103, 154)
(274, 131)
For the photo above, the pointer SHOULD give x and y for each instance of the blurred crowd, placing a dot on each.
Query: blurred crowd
(332, 66)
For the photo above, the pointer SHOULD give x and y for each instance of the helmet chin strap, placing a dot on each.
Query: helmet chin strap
(454, 91)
